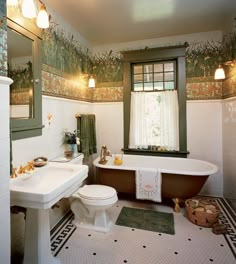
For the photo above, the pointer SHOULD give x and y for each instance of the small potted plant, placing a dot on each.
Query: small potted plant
(71, 141)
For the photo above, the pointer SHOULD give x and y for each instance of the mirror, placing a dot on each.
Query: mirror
(20, 69)
(24, 68)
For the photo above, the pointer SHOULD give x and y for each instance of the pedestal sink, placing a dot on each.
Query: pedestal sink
(38, 192)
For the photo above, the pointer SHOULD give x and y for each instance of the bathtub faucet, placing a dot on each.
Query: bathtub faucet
(103, 154)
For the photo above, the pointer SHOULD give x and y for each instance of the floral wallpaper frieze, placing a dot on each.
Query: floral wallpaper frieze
(19, 96)
(229, 87)
(108, 94)
(74, 88)
(203, 90)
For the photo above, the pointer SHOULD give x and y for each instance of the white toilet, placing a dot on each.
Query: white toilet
(90, 202)
(89, 205)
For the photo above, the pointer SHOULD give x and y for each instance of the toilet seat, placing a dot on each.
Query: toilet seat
(96, 192)
(97, 195)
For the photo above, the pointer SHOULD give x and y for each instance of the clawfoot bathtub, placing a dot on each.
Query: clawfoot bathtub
(181, 178)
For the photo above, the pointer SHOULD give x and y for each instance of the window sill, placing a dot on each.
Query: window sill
(147, 152)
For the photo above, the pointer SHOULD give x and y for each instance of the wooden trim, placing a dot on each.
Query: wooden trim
(146, 152)
(176, 53)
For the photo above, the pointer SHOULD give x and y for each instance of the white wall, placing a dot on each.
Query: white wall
(50, 143)
(109, 125)
(229, 148)
(4, 170)
(204, 139)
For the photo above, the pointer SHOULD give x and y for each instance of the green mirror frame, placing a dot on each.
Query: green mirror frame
(30, 127)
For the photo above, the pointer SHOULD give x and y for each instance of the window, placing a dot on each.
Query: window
(154, 78)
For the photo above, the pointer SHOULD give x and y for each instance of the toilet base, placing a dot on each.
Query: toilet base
(101, 224)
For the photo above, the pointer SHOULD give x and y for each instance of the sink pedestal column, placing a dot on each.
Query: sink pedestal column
(37, 238)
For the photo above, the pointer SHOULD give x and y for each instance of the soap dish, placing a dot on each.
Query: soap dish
(40, 161)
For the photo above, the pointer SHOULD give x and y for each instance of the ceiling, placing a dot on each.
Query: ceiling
(113, 21)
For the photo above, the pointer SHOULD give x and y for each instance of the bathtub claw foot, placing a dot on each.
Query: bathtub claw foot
(177, 206)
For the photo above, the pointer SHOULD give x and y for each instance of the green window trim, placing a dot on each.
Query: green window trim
(176, 53)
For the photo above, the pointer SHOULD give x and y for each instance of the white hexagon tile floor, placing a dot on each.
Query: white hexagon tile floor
(190, 243)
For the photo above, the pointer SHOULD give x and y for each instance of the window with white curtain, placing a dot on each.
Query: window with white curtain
(154, 106)
(155, 101)
(154, 120)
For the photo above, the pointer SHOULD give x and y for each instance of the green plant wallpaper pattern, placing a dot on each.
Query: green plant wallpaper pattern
(203, 58)
(62, 51)
(21, 74)
(108, 67)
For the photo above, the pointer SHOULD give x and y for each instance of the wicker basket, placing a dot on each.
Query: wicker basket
(202, 212)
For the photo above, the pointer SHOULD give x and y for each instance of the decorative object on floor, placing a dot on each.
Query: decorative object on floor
(219, 229)
(202, 212)
(147, 220)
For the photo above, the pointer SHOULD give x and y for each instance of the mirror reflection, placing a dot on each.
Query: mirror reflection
(20, 70)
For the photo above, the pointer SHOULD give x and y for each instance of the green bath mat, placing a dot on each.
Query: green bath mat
(147, 220)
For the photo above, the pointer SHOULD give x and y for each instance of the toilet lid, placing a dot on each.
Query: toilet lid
(96, 191)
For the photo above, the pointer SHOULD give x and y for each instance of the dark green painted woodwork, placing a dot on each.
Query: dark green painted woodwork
(145, 152)
(176, 53)
(31, 127)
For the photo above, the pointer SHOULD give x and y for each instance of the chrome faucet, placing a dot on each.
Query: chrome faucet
(103, 154)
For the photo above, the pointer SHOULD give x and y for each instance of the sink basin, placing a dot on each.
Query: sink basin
(47, 185)
(38, 192)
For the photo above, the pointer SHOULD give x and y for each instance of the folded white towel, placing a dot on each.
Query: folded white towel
(148, 184)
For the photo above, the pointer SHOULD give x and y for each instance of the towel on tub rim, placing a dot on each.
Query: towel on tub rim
(148, 184)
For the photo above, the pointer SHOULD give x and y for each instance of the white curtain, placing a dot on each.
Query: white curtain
(138, 133)
(169, 120)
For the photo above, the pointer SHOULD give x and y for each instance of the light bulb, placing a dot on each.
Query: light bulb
(219, 73)
(28, 8)
(91, 83)
(42, 18)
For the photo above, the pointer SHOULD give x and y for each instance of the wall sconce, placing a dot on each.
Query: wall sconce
(42, 18)
(219, 73)
(91, 82)
(28, 9)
